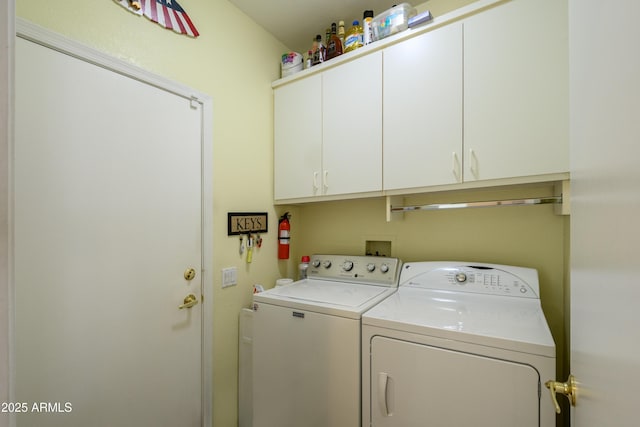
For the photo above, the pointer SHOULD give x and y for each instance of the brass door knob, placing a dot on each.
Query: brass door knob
(568, 388)
(189, 301)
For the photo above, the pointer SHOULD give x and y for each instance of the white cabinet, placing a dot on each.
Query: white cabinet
(516, 114)
(422, 130)
(483, 99)
(352, 126)
(328, 132)
(298, 138)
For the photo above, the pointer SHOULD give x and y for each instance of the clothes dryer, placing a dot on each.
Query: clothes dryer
(306, 342)
(459, 344)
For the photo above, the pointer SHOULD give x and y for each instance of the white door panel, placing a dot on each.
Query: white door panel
(605, 207)
(422, 130)
(306, 369)
(516, 91)
(415, 385)
(297, 146)
(352, 126)
(107, 218)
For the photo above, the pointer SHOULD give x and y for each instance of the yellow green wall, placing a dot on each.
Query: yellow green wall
(528, 236)
(234, 61)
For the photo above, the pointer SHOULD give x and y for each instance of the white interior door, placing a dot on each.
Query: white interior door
(107, 218)
(605, 208)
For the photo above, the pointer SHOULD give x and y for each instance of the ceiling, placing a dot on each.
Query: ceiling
(296, 23)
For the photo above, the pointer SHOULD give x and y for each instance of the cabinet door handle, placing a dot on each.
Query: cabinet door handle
(315, 182)
(325, 180)
(456, 167)
(473, 164)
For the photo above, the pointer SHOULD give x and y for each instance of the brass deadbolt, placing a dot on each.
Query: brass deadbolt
(189, 273)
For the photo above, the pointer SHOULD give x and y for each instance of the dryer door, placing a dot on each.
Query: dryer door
(417, 385)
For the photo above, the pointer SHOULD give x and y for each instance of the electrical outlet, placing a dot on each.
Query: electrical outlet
(229, 276)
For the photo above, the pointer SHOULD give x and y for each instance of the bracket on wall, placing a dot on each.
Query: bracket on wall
(564, 189)
(395, 210)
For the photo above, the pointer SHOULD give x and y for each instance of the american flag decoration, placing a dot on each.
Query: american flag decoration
(167, 13)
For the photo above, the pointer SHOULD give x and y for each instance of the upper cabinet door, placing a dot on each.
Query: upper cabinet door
(298, 138)
(516, 90)
(352, 126)
(423, 110)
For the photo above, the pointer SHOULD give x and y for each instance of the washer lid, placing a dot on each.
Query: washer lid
(326, 296)
(509, 323)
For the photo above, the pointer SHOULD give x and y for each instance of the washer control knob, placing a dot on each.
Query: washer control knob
(347, 265)
(461, 277)
(371, 267)
(326, 264)
(384, 268)
(316, 263)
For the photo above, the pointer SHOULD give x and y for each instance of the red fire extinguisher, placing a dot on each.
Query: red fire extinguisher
(283, 236)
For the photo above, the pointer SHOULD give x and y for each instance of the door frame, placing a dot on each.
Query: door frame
(49, 39)
(7, 16)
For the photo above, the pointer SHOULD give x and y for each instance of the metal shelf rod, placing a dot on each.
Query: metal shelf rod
(488, 204)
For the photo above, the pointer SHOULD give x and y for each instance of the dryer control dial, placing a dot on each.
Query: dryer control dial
(326, 264)
(461, 277)
(347, 265)
(384, 268)
(371, 267)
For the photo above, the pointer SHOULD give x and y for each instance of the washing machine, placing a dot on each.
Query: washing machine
(459, 344)
(306, 342)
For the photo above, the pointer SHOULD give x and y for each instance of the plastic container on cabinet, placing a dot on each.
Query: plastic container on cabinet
(392, 21)
(421, 18)
(292, 62)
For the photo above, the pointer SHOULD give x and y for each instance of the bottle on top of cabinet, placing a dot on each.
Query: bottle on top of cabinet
(319, 51)
(309, 59)
(354, 37)
(312, 51)
(367, 29)
(334, 46)
(341, 33)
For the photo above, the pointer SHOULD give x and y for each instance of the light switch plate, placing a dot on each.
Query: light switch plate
(229, 276)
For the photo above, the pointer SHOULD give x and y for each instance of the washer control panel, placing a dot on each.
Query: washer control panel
(358, 269)
(477, 278)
